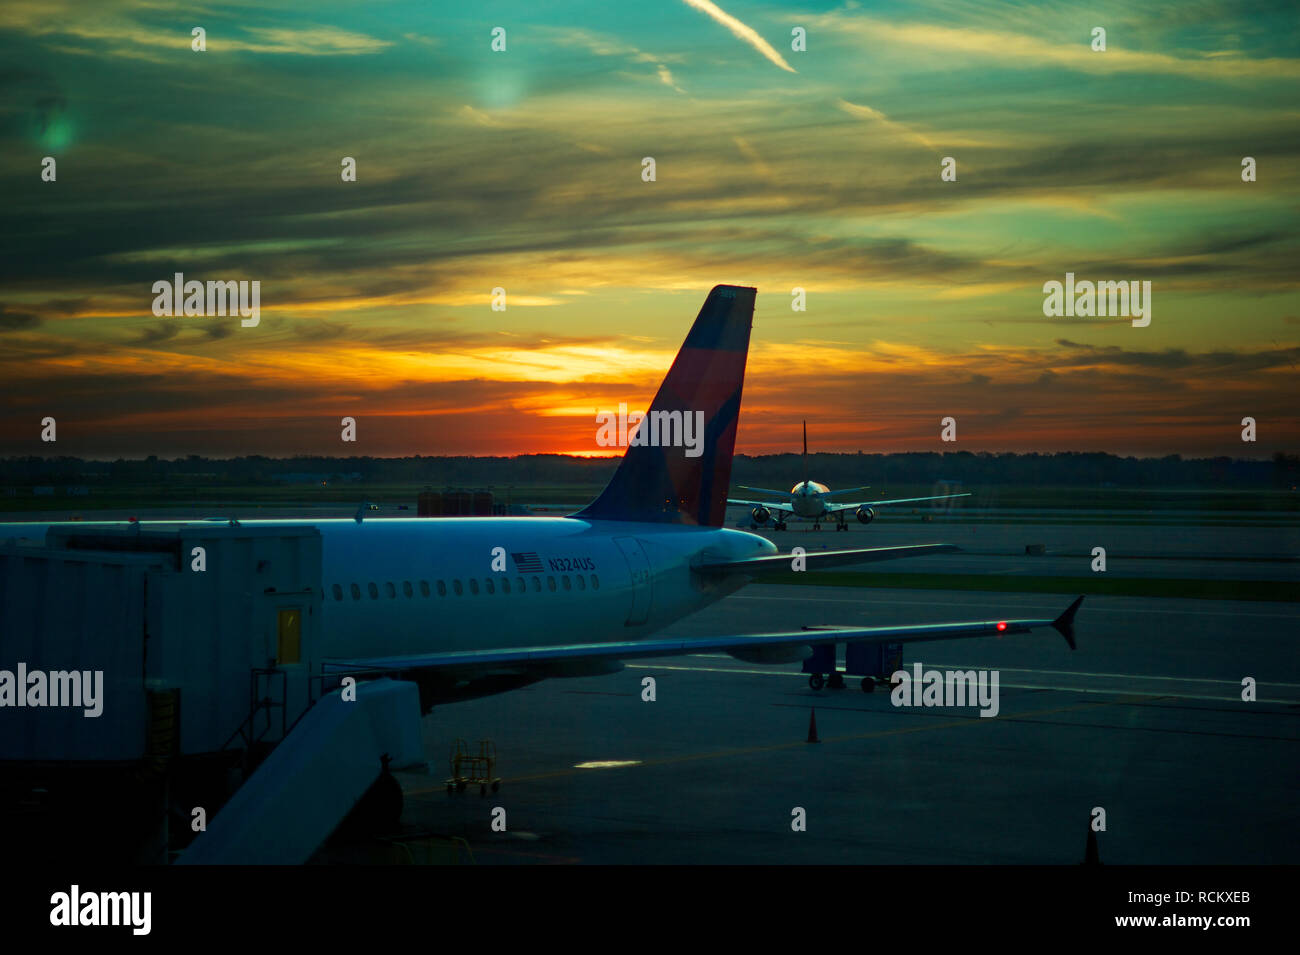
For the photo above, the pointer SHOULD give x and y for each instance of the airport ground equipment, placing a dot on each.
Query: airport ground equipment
(467, 770)
(874, 662)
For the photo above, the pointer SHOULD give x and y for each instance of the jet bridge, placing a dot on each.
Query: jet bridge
(204, 638)
(192, 615)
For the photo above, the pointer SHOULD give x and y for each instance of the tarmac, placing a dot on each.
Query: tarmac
(1145, 720)
(1207, 551)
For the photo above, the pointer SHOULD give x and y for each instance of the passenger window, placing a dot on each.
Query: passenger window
(488, 585)
(595, 582)
(567, 583)
(582, 582)
(338, 592)
(523, 587)
(473, 586)
(390, 589)
(424, 588)
(442, 588)
(356, 592)
(550, 582)
(455, 585)
(505, 585)
(537, 586)
(373, 589)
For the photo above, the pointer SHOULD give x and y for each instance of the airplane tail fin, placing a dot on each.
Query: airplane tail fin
(677, 468)
(806, 475)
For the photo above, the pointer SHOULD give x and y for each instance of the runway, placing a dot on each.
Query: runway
(1145, 720)
(1204, 551)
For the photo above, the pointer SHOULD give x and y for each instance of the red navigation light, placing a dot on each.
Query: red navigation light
(1002, 625)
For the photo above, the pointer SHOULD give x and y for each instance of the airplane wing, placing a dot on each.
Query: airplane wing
(847, 490)
(772, 506)
(816, 559)
(775, 646)
(763, 490)
(833, 508)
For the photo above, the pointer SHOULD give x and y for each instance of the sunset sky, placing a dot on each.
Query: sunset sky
(522, 169)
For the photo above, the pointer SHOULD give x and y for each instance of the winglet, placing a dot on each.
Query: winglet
(1064, 624)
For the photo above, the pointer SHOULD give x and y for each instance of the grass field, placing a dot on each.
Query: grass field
(1141, 503)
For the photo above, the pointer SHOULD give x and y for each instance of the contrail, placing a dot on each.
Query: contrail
(866, 112)
(748, 34)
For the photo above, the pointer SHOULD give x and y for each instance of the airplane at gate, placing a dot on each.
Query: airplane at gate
(816, 501)
(466, 607)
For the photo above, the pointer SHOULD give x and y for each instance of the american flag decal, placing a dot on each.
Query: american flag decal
(528, 563)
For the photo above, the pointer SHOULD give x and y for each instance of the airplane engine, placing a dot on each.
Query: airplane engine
(865, 514)
(760, 515)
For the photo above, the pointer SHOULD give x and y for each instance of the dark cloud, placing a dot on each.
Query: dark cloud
(1178, 359)
(228, 167)
(157, 334)
(319, 330)
(11, 320)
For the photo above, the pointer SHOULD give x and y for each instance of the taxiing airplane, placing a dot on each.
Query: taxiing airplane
(470, 606)
(810, 499)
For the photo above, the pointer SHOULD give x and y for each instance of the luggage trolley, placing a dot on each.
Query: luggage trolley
(874, 662)
(466, 770)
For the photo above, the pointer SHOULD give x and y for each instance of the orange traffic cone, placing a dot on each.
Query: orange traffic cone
(1090, 856)
(812, 726)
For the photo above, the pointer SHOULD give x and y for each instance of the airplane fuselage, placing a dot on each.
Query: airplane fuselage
(564, 579)
(422, 585)
(806, 499)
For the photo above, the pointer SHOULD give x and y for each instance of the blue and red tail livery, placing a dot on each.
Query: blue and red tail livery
(670, 483)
